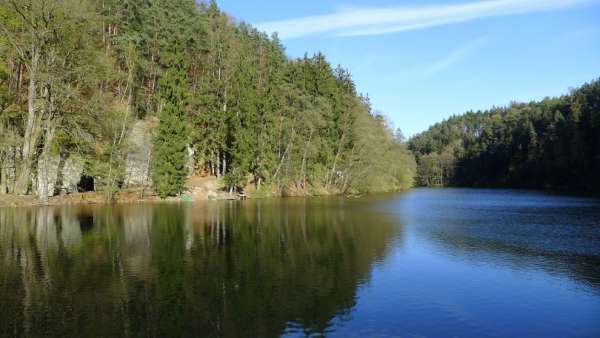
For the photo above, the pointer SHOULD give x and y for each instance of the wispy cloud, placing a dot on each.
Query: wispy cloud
(384, 20)
(580, 34)
(453, 57)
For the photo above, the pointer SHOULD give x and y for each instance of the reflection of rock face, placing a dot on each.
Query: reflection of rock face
(247, 269)
(137, 226)
(48, 227)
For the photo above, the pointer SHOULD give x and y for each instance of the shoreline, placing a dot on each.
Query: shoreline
(132, 196)
(87, 198)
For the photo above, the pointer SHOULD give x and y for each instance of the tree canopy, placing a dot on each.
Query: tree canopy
(551, 144)
(75, 76)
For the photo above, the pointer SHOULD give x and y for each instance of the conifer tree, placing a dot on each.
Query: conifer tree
(88, 79)
(170, 143)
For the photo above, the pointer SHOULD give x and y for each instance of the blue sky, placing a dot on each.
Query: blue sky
(422, 61)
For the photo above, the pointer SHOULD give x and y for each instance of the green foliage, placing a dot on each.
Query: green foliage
(170, 144)
(378, 160)
(234, 179)
(292, 123)
(223, 88)
(549, 144)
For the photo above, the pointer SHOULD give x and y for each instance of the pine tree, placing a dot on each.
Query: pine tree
(171, 140)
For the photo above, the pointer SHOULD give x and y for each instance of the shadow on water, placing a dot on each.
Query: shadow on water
(259, 268)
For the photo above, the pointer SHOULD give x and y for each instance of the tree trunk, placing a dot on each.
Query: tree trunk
(332, 173)
(335, 160)
(287, 149)
(32, 127)
(218, 165)
(303, 167)
(11, 170)
(348, 172)
(3, 172)
(109, 183)
(3, 163)
(337, 154)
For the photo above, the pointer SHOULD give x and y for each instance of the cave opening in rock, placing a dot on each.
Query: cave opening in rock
(86, 184)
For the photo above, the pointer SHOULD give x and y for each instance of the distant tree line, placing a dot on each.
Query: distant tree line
(552, 144)
(75, 75)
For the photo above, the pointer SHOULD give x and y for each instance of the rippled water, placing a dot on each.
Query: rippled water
(431, 262)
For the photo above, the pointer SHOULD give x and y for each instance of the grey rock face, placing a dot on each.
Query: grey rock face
(8, 172)
(139, 154)
(71, 175)
(63, 174)
(190, 165)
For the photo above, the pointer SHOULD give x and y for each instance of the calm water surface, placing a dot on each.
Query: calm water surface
(428, 263)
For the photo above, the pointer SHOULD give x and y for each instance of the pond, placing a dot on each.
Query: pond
(426, 263)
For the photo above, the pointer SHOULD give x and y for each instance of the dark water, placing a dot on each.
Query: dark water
(428, 263)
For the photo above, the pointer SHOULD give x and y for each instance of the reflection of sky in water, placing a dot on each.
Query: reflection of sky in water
(524, 221)
(485, 263)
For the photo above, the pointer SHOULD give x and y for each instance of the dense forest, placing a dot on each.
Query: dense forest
(552, 144)
(76, 75)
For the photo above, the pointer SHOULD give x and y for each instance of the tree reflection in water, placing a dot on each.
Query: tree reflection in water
(259, 268)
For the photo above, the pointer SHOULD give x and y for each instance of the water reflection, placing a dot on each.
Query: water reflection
(520, 229)
(261, 268)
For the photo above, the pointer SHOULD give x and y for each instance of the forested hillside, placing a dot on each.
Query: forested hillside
(552, 144)
(77, 75)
